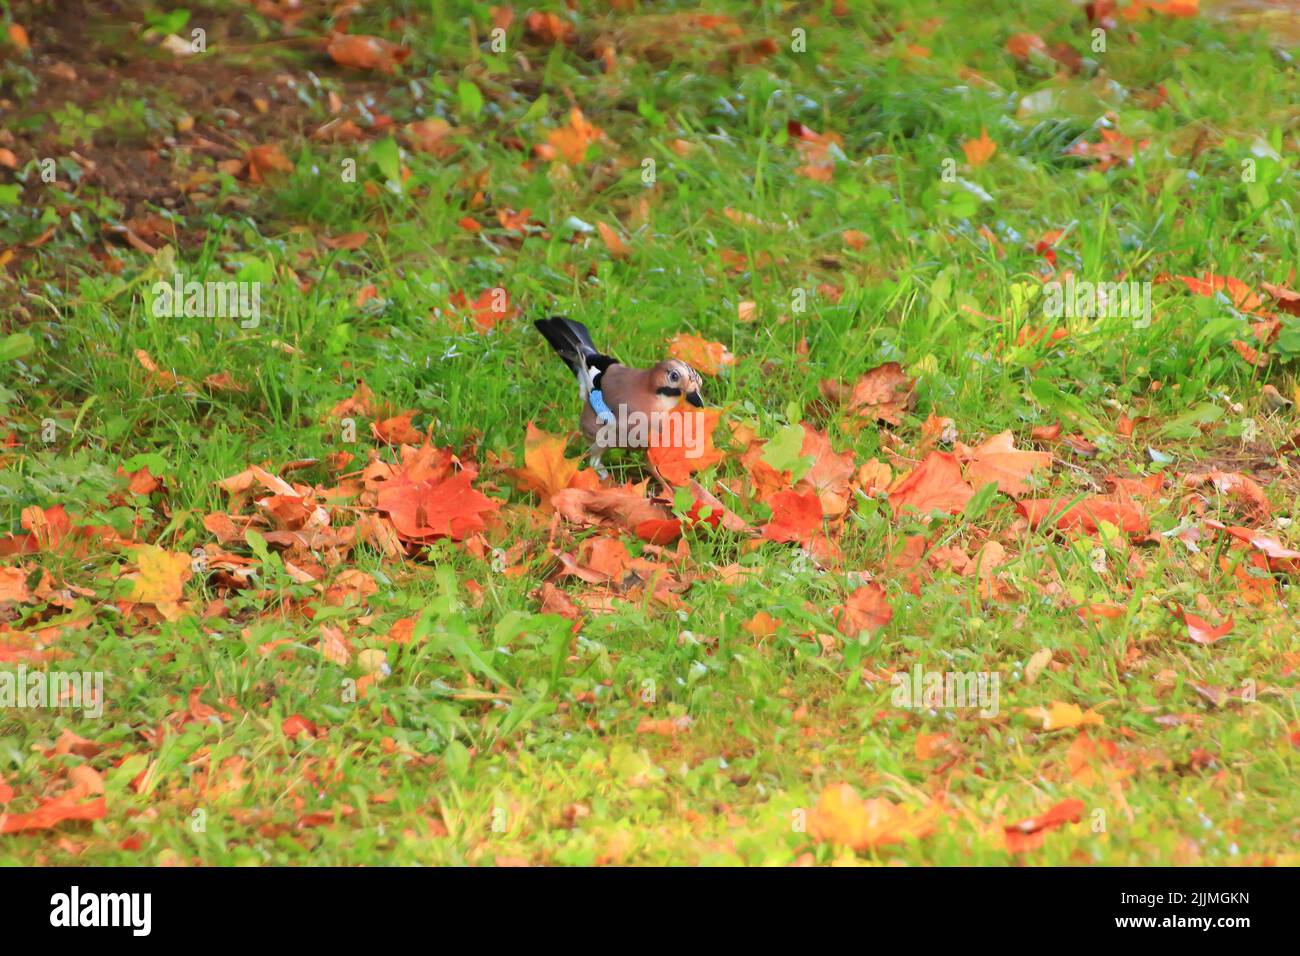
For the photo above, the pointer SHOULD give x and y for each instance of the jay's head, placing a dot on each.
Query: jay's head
(672, 380)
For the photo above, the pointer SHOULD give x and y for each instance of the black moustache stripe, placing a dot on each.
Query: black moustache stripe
(671, 392)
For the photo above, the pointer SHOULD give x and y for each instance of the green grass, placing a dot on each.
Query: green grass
(550, 767)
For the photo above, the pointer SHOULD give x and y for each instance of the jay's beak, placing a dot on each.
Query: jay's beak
(694, 399)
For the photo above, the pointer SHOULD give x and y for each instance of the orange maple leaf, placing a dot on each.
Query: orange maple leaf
(13, 585)
(422, 511)
(1065, 514)
(261, 160)
(1140, 9)
(627, 508)
(1020, 45)
(570, 142)
(707, 358)
(490, 308)
(296, 725)
(1239, 293)
(366, 52)
(815, 149)
(432, 136)
(997, 459)
(613, 241)
(1113, 149)
(979, 151)
(52, 812)
(161, 377)
(672, 457)
(608, 556)
(865, 610)
(397, 430)
(549, 28)
(362, 402)
(1086, 754)
(1238, 488)
(830, 473)
(882, 394)
(1288, 300)
(664, 726)
(512, 221)
(761, 625)
(795, 517)
(47, 529)
(934, 485)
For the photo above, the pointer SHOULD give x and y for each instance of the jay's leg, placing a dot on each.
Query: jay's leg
(594, 455)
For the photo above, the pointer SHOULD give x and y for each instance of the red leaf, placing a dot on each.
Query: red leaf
(659, 530)
(1199, 629)
(1028, 834)
(795, 517)
(295, 725)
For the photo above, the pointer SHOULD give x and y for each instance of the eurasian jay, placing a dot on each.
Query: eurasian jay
(614, 394)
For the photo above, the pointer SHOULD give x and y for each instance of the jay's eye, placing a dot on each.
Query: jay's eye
(673, 377)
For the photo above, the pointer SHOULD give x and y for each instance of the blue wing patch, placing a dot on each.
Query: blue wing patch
(603, 414)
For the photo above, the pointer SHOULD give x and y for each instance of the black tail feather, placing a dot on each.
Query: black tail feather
(571, 341)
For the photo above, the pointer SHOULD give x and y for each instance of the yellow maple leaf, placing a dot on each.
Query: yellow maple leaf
(162, 575)
(1061, 716)
(844, 818)
(546, 470)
